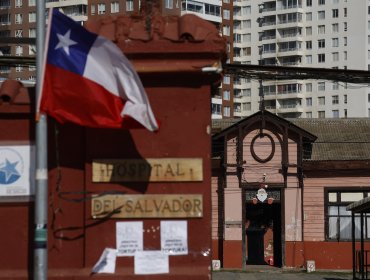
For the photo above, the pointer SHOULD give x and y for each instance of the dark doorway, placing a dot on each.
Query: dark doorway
(263, 233)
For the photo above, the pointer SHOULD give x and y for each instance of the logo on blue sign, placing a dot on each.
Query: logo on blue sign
(11, 166)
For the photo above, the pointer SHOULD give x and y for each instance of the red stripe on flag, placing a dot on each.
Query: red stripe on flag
(69, 97)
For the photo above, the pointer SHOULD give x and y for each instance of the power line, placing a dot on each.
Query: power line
(271, 72)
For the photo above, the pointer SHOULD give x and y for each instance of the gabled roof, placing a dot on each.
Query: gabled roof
(331, 139)
(223, 127)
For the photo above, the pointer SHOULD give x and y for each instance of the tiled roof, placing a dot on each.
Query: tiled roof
(132, 33)
(337, 139)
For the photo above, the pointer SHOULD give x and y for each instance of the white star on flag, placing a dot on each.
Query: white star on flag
(65, 41)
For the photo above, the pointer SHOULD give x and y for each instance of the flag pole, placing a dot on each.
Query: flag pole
(41, 188)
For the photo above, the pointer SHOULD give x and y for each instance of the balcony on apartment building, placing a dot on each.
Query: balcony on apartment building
(283, 6)
(290, 107)
(267, 35)
(281, 92)
(287, 34)
(267, 21)
(267, 8)
(292, 48)
(289, 20)
(285, 110)
(289, 61)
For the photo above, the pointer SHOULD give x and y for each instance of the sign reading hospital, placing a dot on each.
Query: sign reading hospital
(148, 170)
(148, 206)
(16, 170)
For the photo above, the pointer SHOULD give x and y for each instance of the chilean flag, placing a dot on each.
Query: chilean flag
(87, 80)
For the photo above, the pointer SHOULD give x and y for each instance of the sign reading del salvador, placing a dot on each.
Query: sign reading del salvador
(148, 170)
(148, 206)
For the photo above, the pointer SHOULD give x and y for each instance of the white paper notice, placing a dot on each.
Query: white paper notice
(151, 262)
(129, 238)
(107, 262)
(174, 237)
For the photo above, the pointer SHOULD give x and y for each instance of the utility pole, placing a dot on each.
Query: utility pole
(40, 271)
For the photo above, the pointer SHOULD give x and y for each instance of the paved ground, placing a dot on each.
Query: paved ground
(280, 275)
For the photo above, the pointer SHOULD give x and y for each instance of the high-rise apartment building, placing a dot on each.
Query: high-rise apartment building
(18, 19)
(300, 33)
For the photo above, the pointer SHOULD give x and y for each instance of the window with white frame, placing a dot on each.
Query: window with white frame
(18, 18)
(226, 80)
(309, 59)
(308, 87)
(335, 27)
(321, 100)
(321, 57)
(114, 7)
(129, 5)
(18, 68)
(226, 94)
(226, 111)
(308, 101)
(18, 50)
(168, 4)
(101, 9)
(246, 24)
(226, 14)
(216, 109)
(308, 45)
(338, 220)
(321, 29)
(31, 50)
(335, 56)
(32, 17)
(308, 16)
(92, 9)
(321, 15)
(335, 100)
(321, 43)
(226, 30)
(321, 86)
(246, 10)
(31, 3)
(32, 33)
(335, 13)
(18, 33)
(308, 31)
(321, 114)
(18, 3)
(247, 106)
(335, 42)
